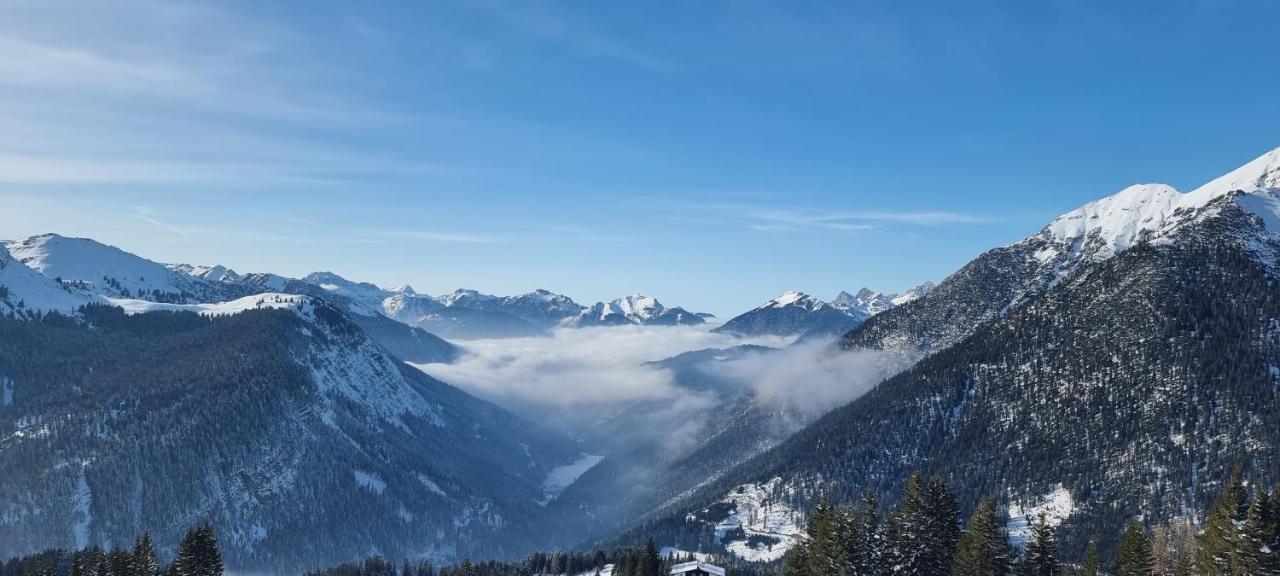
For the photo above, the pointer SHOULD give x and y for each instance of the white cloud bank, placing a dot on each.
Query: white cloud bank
(813, 376)
(575, 367)
(594, 368)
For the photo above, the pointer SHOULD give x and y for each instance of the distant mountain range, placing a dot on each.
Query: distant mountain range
(76, 271)
(797, 313)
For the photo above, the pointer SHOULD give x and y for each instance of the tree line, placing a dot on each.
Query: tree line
(645, 560)
(198, 555)
(922, 536)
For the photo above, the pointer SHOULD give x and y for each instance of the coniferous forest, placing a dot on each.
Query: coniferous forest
(923, 534)
(198, 555)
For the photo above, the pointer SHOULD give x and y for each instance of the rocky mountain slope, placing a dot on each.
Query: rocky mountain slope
(1122, 360)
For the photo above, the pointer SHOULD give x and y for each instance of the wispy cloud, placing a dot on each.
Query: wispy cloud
(764, 217)
(855, 220)
(148, 214)
(177, 92)
(578, 34)
(431, 236)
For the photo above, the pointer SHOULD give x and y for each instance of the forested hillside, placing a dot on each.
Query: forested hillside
(113, 424)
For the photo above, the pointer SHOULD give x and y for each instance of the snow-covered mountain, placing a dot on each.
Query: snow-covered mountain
(794, 313)
(797, 313)
(366, 296)
(25, 292)
(1001, 278)
(636, 309)
(112, 272)
(275, 417)
(865, 302)
(541, 308)
(1123, 358)
(455, 321)
(868, 303)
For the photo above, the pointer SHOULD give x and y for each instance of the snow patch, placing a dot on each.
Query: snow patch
(268, 301)
(370, 481)
(564, 475)
(81, 511)
(793, 298)
(673, 552)
(430, 484)
(1056, 506)
(770, 527)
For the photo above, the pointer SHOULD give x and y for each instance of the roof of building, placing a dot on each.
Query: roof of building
(703, 566)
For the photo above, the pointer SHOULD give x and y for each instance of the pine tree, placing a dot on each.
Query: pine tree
(849, 537)
(825, 555)
(1042, 550)
(143, 560)
(101, 562)
(983, 549)
(1269, 562)
(942, 528)
(908, 530)
(1092, 564)
(198, 554)
(1134, 552)
(796, 562)
(1259, 526)
(79, 564)
(869, 559)
(1222, 542)
(650, 563)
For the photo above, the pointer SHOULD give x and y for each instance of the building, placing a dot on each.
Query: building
(696, 569)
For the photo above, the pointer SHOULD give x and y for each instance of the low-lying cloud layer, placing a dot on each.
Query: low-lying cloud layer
(584, 366)
(813, 376)
(593, 369)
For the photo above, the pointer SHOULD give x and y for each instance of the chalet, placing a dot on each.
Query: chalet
(696, 569)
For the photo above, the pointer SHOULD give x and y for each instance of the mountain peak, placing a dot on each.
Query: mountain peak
(1261, 173)
(1115, 223)
(794, 298)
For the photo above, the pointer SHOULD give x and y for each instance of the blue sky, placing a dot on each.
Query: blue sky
(711, 154)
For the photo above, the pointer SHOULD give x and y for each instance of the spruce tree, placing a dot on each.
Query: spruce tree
(908, 531)
(79, 564)
(1042, 550)
(142, 561)
(825, 555)
(198, 554)
(849, 537)
(1092, 564)
(101, 562)
(796, 562)
(942, 528)
(1222, 542)
(650, 563)
(983, 549)
(1256, 537)
(869, 560)
(1133, 556)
